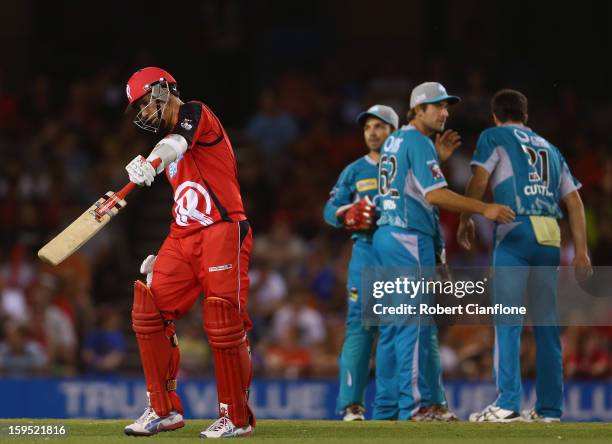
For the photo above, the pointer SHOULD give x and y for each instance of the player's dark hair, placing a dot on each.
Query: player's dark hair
(411, 114)
(509, 105)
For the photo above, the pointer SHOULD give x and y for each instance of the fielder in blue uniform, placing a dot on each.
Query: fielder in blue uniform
(529, 174)
(410, 186)
(351, 197)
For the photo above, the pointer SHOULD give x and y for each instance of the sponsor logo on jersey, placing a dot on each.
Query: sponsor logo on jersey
(220, 267)
(353, 294)
(392, 144)
(436, 172)
(534, 177)
(193, 203)
(539, 141)
(522, 136)
(389, 205)
(186, 124)
(173, 167)
(366, 185)
(534, 140)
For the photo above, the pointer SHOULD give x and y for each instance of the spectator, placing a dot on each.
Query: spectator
(104, 348)
(271, 128)
(268, 290)
(20, 356)
(280, 247)
(587, 355)
(195, 352)
(296, 313)
(52, 327)
(287, 357)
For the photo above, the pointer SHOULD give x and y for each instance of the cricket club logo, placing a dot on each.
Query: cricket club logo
(192, 203)
(436, 172)
(186, 124)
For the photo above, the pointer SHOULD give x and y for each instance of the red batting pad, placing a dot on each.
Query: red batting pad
(160, 359)
(227, 337)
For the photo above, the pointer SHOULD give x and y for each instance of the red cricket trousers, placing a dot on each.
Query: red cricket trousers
(213, 261)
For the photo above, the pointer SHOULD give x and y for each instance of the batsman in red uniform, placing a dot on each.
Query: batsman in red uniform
(207, 252)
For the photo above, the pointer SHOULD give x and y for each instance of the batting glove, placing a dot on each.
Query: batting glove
(141, 172)
(359, 216)
(147, 268)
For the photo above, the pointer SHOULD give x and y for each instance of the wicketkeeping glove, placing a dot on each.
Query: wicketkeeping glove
(359, 216)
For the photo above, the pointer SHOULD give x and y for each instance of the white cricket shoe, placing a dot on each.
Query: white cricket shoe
(225, 428)
(150, 424)
(354, 412)
(533, 416)
(494, 413)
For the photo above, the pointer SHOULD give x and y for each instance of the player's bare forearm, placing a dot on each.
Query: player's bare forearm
(577, 221)
(476, 186)
(452, 201)
(449, 200)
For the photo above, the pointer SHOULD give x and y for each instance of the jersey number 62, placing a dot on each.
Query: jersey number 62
(387, 170)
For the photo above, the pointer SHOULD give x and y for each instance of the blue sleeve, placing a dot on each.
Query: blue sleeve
(567, 182)
(423, 160)
(341, 194)
(485, 155)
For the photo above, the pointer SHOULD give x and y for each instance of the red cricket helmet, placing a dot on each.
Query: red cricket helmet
(144, 79)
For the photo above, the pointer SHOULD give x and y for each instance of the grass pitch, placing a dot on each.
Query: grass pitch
(86, 431)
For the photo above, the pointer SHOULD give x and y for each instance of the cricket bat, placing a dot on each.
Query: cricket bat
(86, 225)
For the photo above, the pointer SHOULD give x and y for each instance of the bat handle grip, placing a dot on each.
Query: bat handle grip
(131, 185)
(120, 195)
(125, 190)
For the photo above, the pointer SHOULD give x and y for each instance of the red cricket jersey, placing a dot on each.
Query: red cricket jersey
(205, 178)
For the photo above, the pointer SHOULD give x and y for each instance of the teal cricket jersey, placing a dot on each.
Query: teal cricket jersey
(408, 169)
(356, 181)
(528, 173)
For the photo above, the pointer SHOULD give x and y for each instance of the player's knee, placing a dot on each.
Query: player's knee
(222, 323)
(146, 318)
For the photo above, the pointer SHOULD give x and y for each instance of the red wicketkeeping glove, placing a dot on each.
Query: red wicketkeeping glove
(359, 216)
